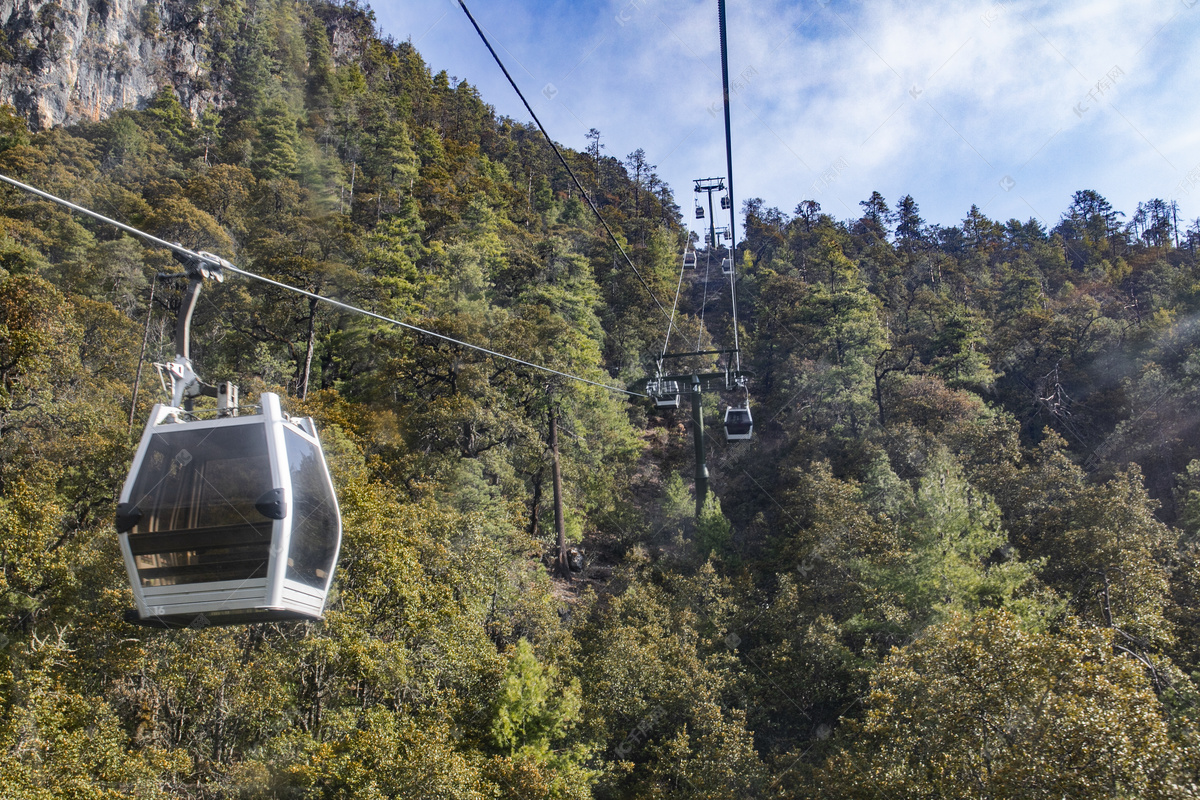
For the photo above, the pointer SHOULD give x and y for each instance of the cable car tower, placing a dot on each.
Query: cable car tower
(667, 387)
(708, 186)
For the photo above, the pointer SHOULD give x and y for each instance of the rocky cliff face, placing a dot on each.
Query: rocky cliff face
(65, 61)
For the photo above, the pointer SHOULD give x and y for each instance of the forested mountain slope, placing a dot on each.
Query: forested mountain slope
(959, 558)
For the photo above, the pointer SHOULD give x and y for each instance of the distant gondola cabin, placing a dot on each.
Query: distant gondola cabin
(229, 520)
(739, 425)
(667, 394)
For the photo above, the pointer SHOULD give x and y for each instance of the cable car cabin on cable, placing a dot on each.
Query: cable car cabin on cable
(739, 425)
(726, 266)
(229, 520)
(689, 259)
(666, 394)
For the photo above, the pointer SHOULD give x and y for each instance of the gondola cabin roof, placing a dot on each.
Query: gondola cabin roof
(228, 520)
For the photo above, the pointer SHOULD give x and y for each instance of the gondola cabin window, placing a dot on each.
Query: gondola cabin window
(197, 492)
(315, 522)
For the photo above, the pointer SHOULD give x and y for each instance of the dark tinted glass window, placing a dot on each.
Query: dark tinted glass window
(737, 421)
(314, 515)
(196, 490)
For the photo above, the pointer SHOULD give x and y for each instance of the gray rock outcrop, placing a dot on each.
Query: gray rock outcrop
(67, 61)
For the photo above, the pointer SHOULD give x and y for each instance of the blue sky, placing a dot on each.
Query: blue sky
(1012, 106)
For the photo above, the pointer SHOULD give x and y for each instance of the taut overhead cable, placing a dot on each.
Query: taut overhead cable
(566, 166)
(177, 248)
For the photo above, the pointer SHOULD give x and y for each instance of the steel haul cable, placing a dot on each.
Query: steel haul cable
(312, 295)
(566, 166)
(729, 169)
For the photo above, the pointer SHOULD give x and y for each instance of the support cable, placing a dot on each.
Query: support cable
(675, 305)
(566, 166)
(704, 304)
(729, 169)
(137, 379)
(183, 251)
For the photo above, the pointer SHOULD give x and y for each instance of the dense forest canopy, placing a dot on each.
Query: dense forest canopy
(960, 557)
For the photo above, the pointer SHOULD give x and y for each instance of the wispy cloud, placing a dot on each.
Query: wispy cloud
(1008, 105)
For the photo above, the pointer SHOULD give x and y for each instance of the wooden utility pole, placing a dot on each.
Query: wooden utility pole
(559, 524)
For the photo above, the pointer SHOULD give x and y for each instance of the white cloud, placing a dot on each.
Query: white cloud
(949, 102)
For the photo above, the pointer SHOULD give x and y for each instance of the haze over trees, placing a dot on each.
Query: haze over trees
(961, 557)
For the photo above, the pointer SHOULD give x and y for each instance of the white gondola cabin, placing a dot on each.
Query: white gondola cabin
(689, 259)
(667, 395)
(229, 520)
(699, 212)
(726, 266)
(739, 425)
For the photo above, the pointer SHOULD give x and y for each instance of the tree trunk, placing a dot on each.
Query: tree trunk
(306, 373)
(560, 560)
(537, 501)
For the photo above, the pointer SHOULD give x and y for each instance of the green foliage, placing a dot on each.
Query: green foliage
(987, 708)
(393, 756)
(971, 497)
(14, 131)
(956, 558)
(70, 745)
(531, 713)
(173, 122)
(713, 531)
(275, 149)
(678, 503)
